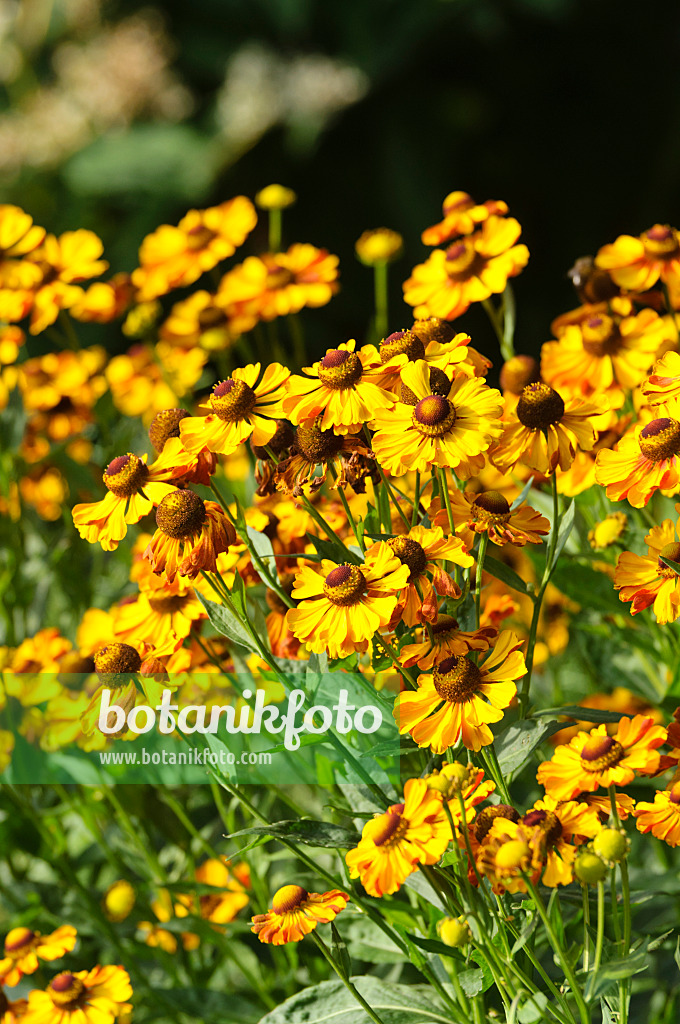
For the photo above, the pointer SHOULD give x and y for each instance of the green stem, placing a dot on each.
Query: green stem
(446, 499)
(350, 518)
(599, 938)
(586, 926)
(481, 554)
(275, 229)
(298, 339)
(380, 291)
(345, 980)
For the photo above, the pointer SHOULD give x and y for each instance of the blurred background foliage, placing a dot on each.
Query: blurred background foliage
(118, 116)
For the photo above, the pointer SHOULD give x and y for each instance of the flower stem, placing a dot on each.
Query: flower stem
(586, 925)
(481, 554)
(275, 229)
(599, 939)
(380, 291)
(345, 980)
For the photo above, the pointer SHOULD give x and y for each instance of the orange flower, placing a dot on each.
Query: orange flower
(490, 512)
(276, 284)
(62, 262)
(646, 459)
(24, 948)
(393, 844)
(296, 912)
(470, 270)
(459, 699)
(204, 319)
(461, 216)
(545, 430)
(662, 817)
(84, 997)
(663, 387)
(594, 759)
(191, 534)
(172, 257)
(18, 237)
(638, 263)
(420, 549)
(238, 410)
(646, 580)
(448, 640)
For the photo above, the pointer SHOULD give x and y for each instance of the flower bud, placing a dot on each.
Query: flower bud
(589, 868)
(118, 901)
(454, 931)
(611, 844)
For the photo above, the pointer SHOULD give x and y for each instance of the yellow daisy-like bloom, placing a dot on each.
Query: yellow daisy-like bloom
(393, 844)
(420, 549)
(191, 534)
(462, 215)
(238, 410)
(663, 387)
(603, 354)
(313, 447)
(646, 459)
(638, 263)
(147, 379)
(646, 580)
(11, 1010)
(24, 949)
(490, 513)
(452, 429)
(381, 245)
(342, 606)
(12, 340)
(62, 263)
(593, 759)
(662, 817)
(341, 391)
(445, 351)
(203, 320)
(448, 640)
(459, 699)
(562, 826)
(608, 531)
(276, 284)
(82, 997)
(296, 912)
(104, 301)
(162, 617)
(172, 257)
(19, 236)
(454, 779)
(133, 488)
(470, 270)
(545, 430)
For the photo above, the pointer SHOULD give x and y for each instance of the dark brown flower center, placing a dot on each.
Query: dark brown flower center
(164, 425)
(433, 329)
(410, 553)
(288, 898)
(493, 502)
(485, 819)
(125, 475)
(439, 385)
(660, 242)
(168, 604)
(456, 679)
(317, 445)
(539, 407)
(672, 552)
(600, 336)
(660, 439)
(444, 626)
(462, 260)
(340, 370)
(181, 514)
(434, 416)
(401, 343)
(282, 439)
(233, 400)
(117, 659)
(212, 317)
(345, 585)
(65, 990)
(278, 277)
(547, 821)
(675, 793)
(395, 827)
(600, 752)
(199, 237)
(518, 372)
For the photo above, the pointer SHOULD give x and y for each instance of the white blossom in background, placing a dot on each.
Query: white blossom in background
(262, 89)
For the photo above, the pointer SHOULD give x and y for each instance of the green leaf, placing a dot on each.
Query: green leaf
(335, 552)
(659, 941)
(365, 941)
(431, 945)
(514, 746)
(675, 566)
(339, 951)
(472, 981)
(523, 495)
(615, 970)
(528, 929)
(332, 1003)
(566, 526)
(676, 955)
(505, 574)
(263, 547)
(226, 623)
(533, 1009)
(206, 1005)
(311, 833)
(578, 713)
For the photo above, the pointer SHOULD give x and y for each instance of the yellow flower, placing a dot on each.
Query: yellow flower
(508, 853)
(638, 263)
(663, 387)
(84, 997)
(163, 617)
(11, 341)
(172, 257)
(313, 447)
(118, 900)
(62, 263)
(191, 534)
(296, 912)
(275, 197)
(450, 429)
(46, 490)
(381, 245)
(461, 217)
(490, 513)
(341, 607)
(646, 459)
(148, 379)
(459, 699)
(340, 390)
(646, 580)
(608, 531)
(19, 236)
(545, 430)
(24, 949)
(595, 759)
(276, 284)
(393, 844)
(203, 319)
(448, 640)
(470, 270)
(239, 409)
(662, 817)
